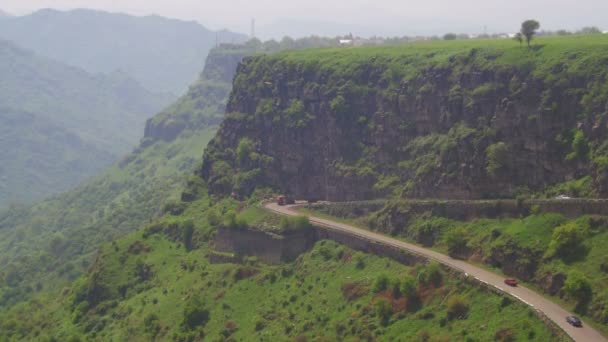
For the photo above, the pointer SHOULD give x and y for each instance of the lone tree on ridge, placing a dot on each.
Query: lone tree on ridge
(528, 29)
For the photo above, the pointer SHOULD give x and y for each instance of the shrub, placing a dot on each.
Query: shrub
(384, 311)
(458, 308)
(566, 240)
(580, 147)
(497, 158)
(381, 283)
(195, 314)
(243, 151)
(408, 287)
(456, 241)
(293, 224)
(431, 275)
(578, 287)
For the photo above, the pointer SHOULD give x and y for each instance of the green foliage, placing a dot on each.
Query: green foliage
(384, 311)
(567, 240)
(497, 156)
(196, 315)
(381, 283)
(456, 242)
(244, 150)
(408, 287)
(293, 224)
(450, 36)
(430, 274)
(53, 138)
(580, 147)
(458, 308)
(296, 115)
(578, 287)
(528, 29)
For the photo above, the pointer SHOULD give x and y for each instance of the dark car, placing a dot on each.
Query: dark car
(511, 282)
(575, 321)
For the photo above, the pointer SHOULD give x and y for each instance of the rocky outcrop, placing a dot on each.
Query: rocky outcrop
(464, 126)
(204, 103)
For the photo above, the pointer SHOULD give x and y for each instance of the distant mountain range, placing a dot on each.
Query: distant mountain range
(60, 124)
(164, 55)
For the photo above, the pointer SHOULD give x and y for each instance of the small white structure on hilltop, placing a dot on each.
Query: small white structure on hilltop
(346, 42)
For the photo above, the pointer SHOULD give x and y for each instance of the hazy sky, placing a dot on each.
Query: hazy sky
(384, 17)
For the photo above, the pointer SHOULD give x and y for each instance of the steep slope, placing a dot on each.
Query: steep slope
(456, 120)
(103, 115)
(108, 110)
(164, 55)
(205, 101)
(51, 243)
(39, 157)
(147, 286)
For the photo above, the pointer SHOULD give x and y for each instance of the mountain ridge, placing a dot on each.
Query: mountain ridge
(163, 54)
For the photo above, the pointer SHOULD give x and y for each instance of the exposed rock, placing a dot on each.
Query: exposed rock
(321, 133)
(552, 283)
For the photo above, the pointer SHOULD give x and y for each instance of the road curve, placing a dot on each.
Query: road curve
(553, 311)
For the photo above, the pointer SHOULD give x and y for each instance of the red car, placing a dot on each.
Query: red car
(511, 282)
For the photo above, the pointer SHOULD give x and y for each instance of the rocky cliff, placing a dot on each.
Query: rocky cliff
(417, 121)
(205, 100)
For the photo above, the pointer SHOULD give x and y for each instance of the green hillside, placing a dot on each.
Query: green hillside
(158, 284)
(46, 245)
(164, 55)
(41, 158)
(89, 121)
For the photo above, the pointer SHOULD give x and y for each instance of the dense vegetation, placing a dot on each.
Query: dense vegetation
(164, 55)
(46, 245)
(466, 119)
(158, 284)
(39, 157)
(562, 257)
(89, 121)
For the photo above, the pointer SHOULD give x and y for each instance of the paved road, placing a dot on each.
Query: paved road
(556, 313)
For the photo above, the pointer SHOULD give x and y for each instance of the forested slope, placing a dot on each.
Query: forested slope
(90, 120)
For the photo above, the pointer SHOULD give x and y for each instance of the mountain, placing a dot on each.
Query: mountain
(126, 195)
(54, 239)
(41, 158)
(4, 14)
(164, 55)
(91, 120)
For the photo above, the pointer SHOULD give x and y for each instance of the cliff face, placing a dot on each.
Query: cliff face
(205, 100)
(454, 123)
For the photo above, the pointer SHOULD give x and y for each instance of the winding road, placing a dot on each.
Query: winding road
(553, 311)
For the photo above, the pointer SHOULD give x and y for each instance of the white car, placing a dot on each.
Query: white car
(563, 197)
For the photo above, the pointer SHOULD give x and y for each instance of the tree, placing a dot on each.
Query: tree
(450, 36)
(408, 287)
(456, 240)
(497, 156)
(567, 240)
(590, 30)
(519, 38)
(195, 314)
(381, 283)
(528, 29)
(578, 287)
